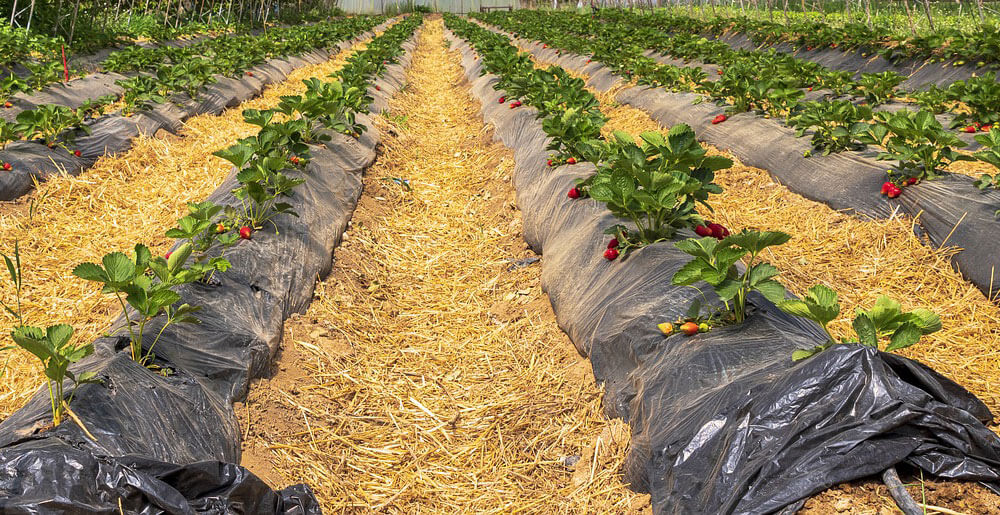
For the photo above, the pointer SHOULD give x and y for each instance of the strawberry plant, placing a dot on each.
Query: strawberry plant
(146, 284)
(52, 346)
(715, 262)
(878, 88)
(917, 141)
(838, 125)
(885, 321)
(261, 161)
(656, 185)
(48, 121)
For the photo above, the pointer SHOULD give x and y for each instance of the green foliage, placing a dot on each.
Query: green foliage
(715, 263)
(837, 126)
(656, 185)
(917, 141)
(884, 322)
(52, 345)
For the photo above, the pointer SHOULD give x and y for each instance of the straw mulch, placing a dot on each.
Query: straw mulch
(123, 200)
(426, 376)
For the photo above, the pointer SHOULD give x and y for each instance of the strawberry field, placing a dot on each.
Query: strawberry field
(592, 260)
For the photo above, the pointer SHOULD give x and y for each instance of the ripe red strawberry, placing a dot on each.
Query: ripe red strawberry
(718, 231)
(911, 181)
(545, 46)
(245, 232)
(7, 166)
(810, 88)
(969, 129)
(167, 256)
(378, 88)
(894, 191)
(571, 161)
(549, 163)
(573, 193)
(8, 105)
(719, 119)
(986, 128)
(77, 153)
(611, 254)
(249, 73)
(719, 71)
(588, 61)
(809, 48)
(501, 100)
(701, 230)
(833, 45)
(886, 186)
(219, 228)
(294, 160)
(613, 243)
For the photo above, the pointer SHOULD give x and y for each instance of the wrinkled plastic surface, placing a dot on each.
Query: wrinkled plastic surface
(725, 421)
(167, 443)
(950, 210)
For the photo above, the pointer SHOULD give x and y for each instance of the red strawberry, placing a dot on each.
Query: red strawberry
(573, 193)
(549, 163)
(911, 181)
(611, 254)
(701, 230)
(167, 256)
(571, 161)
(969, 129)
(719, 71)
(545, 46)
(808, 48)
(894, 191)
(77, 153)
(8, 105)
(833, 45)
(810, 88)
(249, 73)
(7, 166)
(986, 128)
(378, 88)
(886, 186)
(245, 232)
(501, 100)
(718, 231)
(294, 160)
(613, 243)
(719, 119)
(588, 61)
(219, 228)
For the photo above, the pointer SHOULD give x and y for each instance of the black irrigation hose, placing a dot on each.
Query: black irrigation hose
(903, 499)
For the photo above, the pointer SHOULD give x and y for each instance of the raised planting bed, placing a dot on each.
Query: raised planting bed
(951, 210)
(724, 421)
(158, 432)
(29, 161)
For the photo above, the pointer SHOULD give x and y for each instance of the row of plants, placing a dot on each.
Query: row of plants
(619, 38)
(165, 71)
(980, 46)
(656, 184)
(773, 85)
(270, 165)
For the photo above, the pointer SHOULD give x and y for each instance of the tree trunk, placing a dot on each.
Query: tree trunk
(927, 10)
(909, 17)
(72, 25)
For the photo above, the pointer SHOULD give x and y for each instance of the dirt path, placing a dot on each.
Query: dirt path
(130, 198)
(428, 376)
